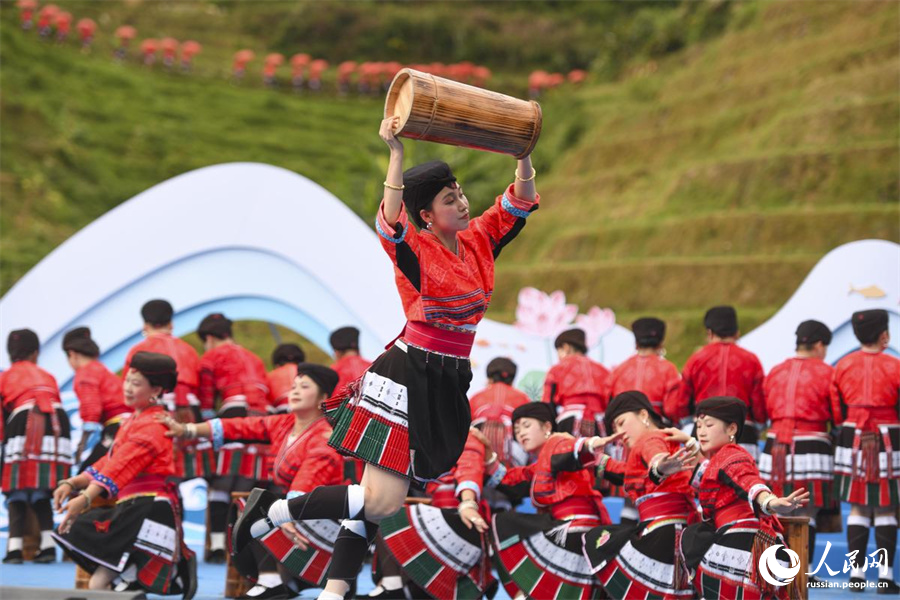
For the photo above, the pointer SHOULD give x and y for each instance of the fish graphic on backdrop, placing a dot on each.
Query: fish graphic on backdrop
(870, 291)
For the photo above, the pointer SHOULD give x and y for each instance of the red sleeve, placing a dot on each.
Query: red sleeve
(90, 404)
(470, 466)
(396, 235)
(652, 447)
(681, 407)
(757, 395)
(321, 465)
(127, 364)
(837, 400)
(132, 455)
(206, 389)
(672, 397)
(551, 386)
(517, 475)
(741, 474)
(250, 429)
(499, 220)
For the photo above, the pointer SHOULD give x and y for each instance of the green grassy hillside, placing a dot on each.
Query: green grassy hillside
(730, 147)
(724, 172)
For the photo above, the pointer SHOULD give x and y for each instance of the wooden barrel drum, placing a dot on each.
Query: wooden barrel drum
(439, 110)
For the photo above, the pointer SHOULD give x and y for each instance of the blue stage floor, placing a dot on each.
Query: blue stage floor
(212, 577)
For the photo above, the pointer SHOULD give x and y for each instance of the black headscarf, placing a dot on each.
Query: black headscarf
(325, 378)
(725, 408)
(422, 183)
(157, 313)
(868, 325)
(631, 401)
(721, 320)
(216, 325)
(649, 332)
(810, 332)
(345, 338)
(503, 368)
(574, 337)
(159, 369)
(79, 340)
(288, 353)
(536, 410)
(21, 344)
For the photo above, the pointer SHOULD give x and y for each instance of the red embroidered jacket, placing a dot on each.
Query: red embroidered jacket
(722, 369)
(140, 449)
(99, 392)
(186, 360)
(492, 410)
(797, 397)
(728, 485)
(437, 286)
(232, 370)
(349, 369)
(468, 474)
(280, 380)
(301, 464)
(576, 380)
(634, 471)
(654, 376)
(865, 390)
(23, 382)
(562, 482)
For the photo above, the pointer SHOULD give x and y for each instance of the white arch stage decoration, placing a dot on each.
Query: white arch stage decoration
(856, 276)
(250, 240)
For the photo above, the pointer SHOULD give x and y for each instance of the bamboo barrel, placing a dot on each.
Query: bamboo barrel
(439, 110)
(82, 577)
(235, 583)
(796, 534)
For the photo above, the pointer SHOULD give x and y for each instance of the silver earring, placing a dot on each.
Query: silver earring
(732, 439)
(646, 423)
(429, 225)
(547, 435)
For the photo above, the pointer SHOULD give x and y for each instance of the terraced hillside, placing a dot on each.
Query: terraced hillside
(724, 173)
(720, 173)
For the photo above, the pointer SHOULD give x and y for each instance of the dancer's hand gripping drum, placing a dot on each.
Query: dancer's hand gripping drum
(439, 110)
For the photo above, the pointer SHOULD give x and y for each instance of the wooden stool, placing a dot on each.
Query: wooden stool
(235, 583)
(796, 534)
(82, 577)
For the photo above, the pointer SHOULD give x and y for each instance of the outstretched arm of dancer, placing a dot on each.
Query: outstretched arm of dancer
(393, 183)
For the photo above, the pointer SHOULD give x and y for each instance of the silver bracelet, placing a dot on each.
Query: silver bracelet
(764, 505)
(467, 504)
(190, 431)
(492, 459)
(654, 470)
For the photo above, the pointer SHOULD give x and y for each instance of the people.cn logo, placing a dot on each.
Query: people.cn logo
(772, 570)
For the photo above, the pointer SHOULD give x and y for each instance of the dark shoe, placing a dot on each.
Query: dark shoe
(14, 558)
(187, 575)
(857, 585)
(216, 557)
(888, 586)
(279, 592)
(256, 509)
(45, 556)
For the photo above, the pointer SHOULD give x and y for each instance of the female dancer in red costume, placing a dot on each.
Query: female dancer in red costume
(303, 460)
(540, 556)
(138, 542)
(639, 561)
(738, 525)
(408, 417)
